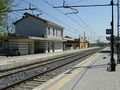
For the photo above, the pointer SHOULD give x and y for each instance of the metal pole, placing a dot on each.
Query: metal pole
(112, 60)
(8, 41)
(79, 41)
(83, 6)
(18, 10)
(117, 43)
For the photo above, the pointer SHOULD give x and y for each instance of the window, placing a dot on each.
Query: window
(56, 32)
(0, 43)
(48, 30)
(61, 33)
(53, 31)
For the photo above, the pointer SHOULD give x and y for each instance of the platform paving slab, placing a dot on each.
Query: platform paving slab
(96, 77)
(93, 76)
(60, 80)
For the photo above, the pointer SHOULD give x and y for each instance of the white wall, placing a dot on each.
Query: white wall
(57, 32)
(22, 45)
(40, 46)
(31, 27)
(58, 46)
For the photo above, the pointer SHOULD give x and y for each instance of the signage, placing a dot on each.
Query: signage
(108, 31)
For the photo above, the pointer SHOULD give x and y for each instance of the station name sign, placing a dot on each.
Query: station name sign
(108, 31)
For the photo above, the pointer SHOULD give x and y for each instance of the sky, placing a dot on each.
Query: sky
(90, 21)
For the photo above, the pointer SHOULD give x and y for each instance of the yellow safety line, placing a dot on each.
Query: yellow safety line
(67, 77)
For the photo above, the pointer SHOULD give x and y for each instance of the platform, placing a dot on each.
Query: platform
(16, 61)
(91, 74)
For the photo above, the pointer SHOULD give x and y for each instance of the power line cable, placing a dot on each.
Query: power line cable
(67, 16)
(75, 2)
(72, 32)
(52, 17)
(85, 23)
(63, 14)
(73, 19)
(37, 10)
(82, 22)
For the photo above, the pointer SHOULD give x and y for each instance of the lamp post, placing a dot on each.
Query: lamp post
(112, 60)
(118, 26)
(8, 51)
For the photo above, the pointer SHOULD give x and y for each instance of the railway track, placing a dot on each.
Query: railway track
(28, 77)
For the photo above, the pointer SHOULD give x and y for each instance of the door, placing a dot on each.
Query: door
(48, 46)
(53, 49)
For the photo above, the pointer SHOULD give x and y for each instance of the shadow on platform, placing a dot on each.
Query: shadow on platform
(105, 51)
(88, 67)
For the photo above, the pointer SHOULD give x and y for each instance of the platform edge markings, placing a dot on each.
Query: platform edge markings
(65, 78)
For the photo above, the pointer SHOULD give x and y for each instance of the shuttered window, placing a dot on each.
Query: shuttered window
(48, 30)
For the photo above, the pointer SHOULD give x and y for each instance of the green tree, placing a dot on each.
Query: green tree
(5, 7)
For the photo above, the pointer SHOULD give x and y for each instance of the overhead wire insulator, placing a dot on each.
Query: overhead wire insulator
(29, 5)
(63, 3)
(75, 11)
(39, 11)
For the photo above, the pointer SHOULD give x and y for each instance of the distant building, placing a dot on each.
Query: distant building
(69, 43)
(42, 35)
(78, 43)
(81, 43)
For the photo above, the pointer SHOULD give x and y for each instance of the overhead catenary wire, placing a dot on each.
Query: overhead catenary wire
(66, 15)
(86, 24)
(16, 14)
(84, 6)
(69, 17)
(53, 17)
(75, 2)
(69, 6)
(72, 32)
(63, 14)
(88, 28)
(17, 10)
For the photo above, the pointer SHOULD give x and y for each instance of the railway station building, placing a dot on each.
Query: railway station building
(45, 36)
(36, 35)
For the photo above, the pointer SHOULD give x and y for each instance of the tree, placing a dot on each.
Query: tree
(4, 6)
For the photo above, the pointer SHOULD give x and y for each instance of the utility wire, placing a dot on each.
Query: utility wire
(68, 17)
(72, 32)
(30, 4)
(83, 23)
(75, 2)
(17, 10)
(63, 14)
(39, 10)
(16, 14)
(52, 17)
(86, 24)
